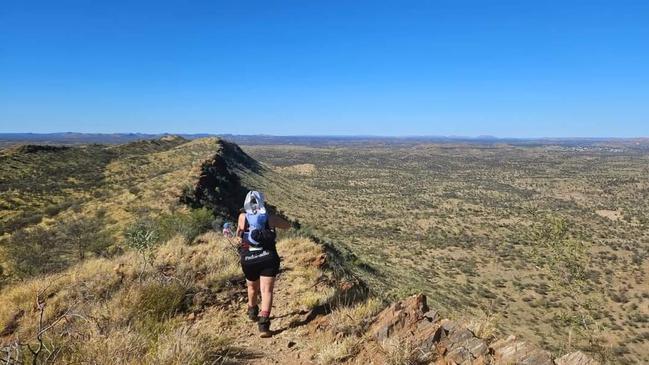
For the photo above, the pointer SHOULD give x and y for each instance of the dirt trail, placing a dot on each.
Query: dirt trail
(290, 327)
(284, 347)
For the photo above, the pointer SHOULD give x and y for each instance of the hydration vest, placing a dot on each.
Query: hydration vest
(254, 222)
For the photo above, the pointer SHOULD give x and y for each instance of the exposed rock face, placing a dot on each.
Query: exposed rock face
(219, 187)
(445, 342)
(398, 316)
(513, 351)
(458, 345)
(576, 358)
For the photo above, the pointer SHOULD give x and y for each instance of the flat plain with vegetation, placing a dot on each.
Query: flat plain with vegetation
(547, 241)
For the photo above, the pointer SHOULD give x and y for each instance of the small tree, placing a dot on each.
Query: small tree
(142, 237)
(84, 235)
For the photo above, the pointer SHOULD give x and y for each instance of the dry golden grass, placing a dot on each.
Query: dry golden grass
(112, 314)
(300, 250)
(346, 332)
(398, 351)
(484, 326)
(306, 274)
(314, 298)
(329, 350)
(214, 260)
(204, 341)
(353, 320)
(123, 345)
(173, 342)
(304, 169)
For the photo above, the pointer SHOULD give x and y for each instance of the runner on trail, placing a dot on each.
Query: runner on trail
(227, 230)
(259, 258)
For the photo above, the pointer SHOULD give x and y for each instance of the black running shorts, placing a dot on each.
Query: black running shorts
(259, 263)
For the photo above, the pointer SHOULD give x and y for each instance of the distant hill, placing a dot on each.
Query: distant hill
(7, 139)
(82, 138)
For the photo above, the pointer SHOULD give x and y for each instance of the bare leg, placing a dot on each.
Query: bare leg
(267, 284)
(253, 291)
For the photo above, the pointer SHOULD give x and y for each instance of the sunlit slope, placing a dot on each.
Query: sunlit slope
(173, 300)
(551, 242)
(65, 204)
(39, 182)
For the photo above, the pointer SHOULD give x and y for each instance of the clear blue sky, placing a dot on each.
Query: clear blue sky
(505, 68)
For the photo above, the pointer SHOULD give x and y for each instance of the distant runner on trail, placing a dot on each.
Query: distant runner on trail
(259, 258)
(227, 230)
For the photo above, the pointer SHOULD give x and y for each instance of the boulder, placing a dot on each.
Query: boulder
(513, 351)
(458, 345)
(576, 358)
(398, 316)
(432, 315)
(446, 342)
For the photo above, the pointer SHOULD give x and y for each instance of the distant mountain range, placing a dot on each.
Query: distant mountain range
(117, 138)
(72, 137)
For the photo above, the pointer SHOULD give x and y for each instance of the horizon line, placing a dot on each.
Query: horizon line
(370, 136)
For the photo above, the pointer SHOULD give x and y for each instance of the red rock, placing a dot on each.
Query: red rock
(458, 345)
(402, 314)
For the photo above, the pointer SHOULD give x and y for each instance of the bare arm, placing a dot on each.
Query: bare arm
(276, 221)
(241, 224)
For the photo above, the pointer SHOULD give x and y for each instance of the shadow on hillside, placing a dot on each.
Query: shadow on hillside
(320, 310)
(298, 312)
(219, 187)
(342, 298)
(233, 153)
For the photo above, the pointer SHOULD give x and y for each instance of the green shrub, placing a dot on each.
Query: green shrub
(189, 225)
(142, 236)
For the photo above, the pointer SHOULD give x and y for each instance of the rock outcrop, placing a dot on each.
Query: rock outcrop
(445, 342)
(575, 358)
(514, 351)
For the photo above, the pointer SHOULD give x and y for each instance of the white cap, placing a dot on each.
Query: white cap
(257, 206)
